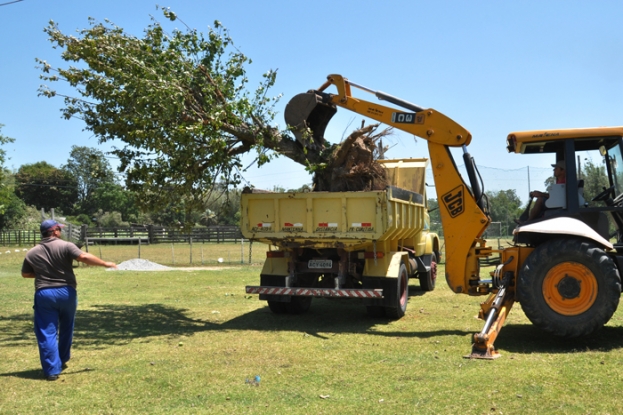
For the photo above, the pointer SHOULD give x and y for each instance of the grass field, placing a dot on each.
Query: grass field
(186, 341)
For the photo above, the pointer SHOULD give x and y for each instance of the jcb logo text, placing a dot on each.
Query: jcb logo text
(453, 200)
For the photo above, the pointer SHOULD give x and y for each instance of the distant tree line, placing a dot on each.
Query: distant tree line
(86, 190)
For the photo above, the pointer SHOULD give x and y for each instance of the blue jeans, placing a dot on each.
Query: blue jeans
(55, 312)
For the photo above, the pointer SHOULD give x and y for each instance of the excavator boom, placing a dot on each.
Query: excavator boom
(463, 210)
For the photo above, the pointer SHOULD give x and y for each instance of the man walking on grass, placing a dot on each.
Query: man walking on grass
(51, 265)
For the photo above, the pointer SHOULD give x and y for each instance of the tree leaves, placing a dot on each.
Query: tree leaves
(177, 102)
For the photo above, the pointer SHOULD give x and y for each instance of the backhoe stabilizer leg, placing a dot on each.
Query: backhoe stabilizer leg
(482, 348)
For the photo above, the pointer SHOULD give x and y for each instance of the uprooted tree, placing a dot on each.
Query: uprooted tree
(180, 106)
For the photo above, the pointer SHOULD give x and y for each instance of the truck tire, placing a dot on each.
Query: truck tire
(398, 309)
(569, 287)
(298, 305)
(428, 279)
(277, 307)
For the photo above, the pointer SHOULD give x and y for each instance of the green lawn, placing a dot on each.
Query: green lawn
(186, 341)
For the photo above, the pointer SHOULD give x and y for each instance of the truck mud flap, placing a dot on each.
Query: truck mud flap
(389, 286)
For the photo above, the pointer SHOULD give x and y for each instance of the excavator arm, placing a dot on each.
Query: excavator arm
(463, 208)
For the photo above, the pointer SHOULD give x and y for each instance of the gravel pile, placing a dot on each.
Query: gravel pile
(139, 265)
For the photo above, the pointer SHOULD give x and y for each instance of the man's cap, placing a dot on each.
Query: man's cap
(560, 164)
(48, 224)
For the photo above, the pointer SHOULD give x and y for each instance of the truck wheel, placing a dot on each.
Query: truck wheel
(298, 305)
(277, 307)
(428, 279)
(569, 287)
(400, 307)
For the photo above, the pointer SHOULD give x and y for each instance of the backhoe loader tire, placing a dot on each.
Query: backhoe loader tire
(398, 309)
(277, 307)
(298, 305)
(428, 279)
(569, 287)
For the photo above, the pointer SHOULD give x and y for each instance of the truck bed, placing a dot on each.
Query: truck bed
(332, 219)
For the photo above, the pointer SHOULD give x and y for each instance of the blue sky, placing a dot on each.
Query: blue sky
(493, 66)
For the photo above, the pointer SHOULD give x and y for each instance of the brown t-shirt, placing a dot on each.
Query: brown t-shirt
(51, 261)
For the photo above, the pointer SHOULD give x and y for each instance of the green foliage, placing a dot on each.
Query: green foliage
(505, 206)
(13, 214)
(109, 220)
(81, 219)
(173, 215)
(595, 180)
(20, 216)
(176, 100)
(44, 186)
(5, 194)
(91, 170)
(114, 197)
(435, 217)
(3, 140)
(224, 206)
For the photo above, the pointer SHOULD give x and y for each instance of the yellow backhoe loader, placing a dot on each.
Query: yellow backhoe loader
(562, 267)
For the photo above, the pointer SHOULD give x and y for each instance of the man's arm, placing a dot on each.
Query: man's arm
(91, 259)
(537, 193)
(27, 271)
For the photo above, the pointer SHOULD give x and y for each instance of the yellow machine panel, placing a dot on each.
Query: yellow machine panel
(328, 216)
(408, 174)
(261, 218)
(292, 215)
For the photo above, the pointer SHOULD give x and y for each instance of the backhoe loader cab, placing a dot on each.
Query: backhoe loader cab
(570, 199)
(561, 268)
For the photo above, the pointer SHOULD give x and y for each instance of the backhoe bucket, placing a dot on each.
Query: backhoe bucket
(309, 110)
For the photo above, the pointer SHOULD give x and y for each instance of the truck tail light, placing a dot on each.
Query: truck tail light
(370, 255)
(275, 254)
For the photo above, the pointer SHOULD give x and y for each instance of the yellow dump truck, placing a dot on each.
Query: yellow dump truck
(364, 245)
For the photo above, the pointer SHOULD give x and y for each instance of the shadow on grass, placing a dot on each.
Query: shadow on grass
(105, 325)
(525, 338)
(102, 326)
(33, 374)
(331, 316)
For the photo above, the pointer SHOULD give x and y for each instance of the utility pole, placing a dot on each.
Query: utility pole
(579, 168)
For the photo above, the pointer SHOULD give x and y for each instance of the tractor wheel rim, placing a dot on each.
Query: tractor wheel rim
(570, 288)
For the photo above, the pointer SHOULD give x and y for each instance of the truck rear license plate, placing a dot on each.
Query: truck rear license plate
(320, 263)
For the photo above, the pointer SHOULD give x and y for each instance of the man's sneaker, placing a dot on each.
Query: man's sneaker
(52, 377)
(64, 366)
